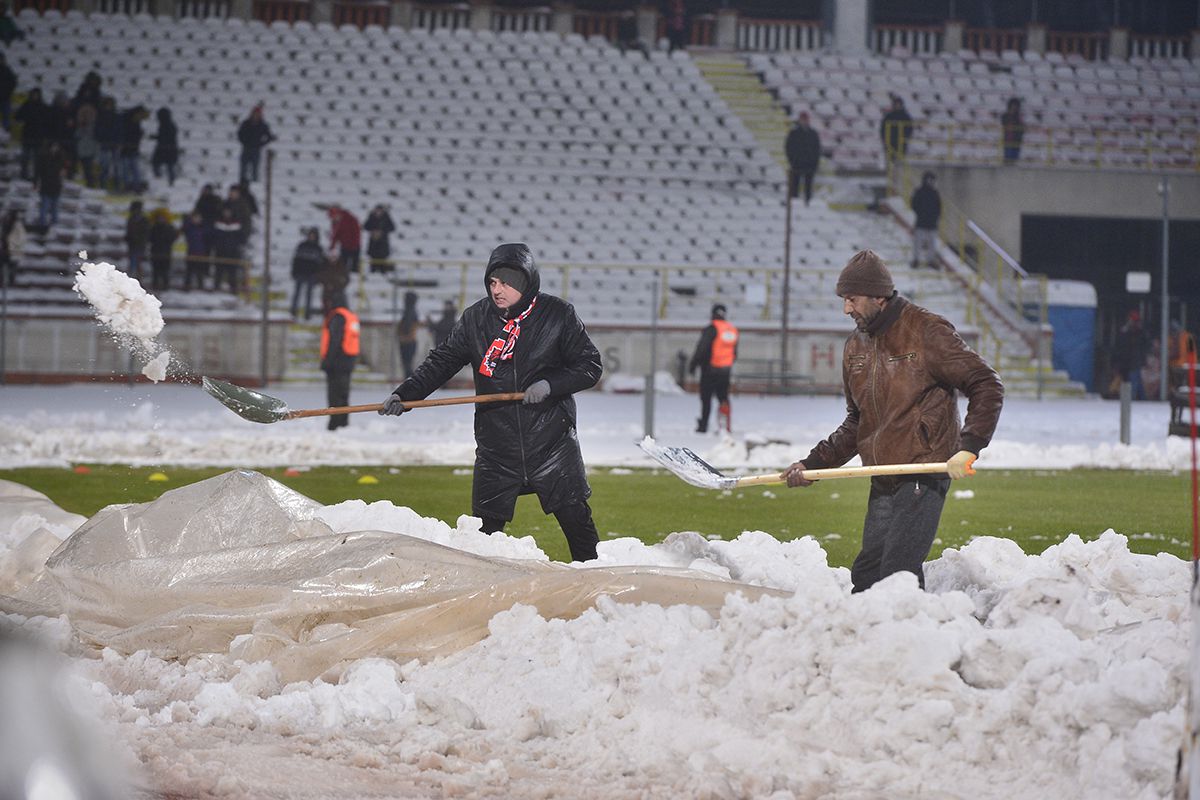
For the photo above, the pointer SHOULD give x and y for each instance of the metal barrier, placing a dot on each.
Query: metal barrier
(362, 14)
(774, 35)
(433, 17)
(605, 24)
(916, 39)
(994, 40)
(282, 10)
(1090, 46)
(1088, 146)
(1143, 46)
(522, 19)
(204, 9)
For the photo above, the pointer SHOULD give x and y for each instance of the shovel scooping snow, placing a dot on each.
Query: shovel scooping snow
(692, 469)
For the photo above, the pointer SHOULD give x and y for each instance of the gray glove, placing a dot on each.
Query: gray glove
(393, 406)
(537, 393)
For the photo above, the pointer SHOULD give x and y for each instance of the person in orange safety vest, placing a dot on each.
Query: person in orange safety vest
(339, 354)
(715, 353)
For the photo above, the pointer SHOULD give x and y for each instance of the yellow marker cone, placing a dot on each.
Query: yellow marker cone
(368, 479)
(158, 477)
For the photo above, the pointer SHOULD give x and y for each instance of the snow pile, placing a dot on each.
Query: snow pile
(1060, 675)
(133, 315)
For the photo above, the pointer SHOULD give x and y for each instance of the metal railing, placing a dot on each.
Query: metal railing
(204, 9)
(997, 280)
(361, 14)
(1055, 146)
(282, 10)
(432, 17)
(522, 19)
(774, 35)
(1145, 46)
(994, 40)
(916, 39)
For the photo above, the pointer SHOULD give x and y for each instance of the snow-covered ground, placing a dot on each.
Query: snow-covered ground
(1059, 675)
(180, 424)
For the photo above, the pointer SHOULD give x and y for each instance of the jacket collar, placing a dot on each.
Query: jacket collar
(887, 317)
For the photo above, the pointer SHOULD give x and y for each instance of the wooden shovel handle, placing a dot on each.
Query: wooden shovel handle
(445, 401)
(849, 472)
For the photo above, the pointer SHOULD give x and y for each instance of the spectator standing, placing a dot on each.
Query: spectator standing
(345, 239)
(440, 329)
(339, 354)
(248, 195)
(165, 157)
(1012, 130)
(307, 265)
(60, 124)
(927, 206)
(162, 238)
(52, 167)
(901, 370)
(406, 332)
(254, 134)
(12, 243)
(1129, 355)
(137, 236)
(241, 211)
(197, 237)
(896, 130)
(8, 85)
(33, 116)
(86, 147)
(208, 205)
(715, 353)
(108, 140)
(131, 149)
(519, 339)
(227, 239)
(675, 23)
(9, 32)
(88, 92)
(803, 148)
(379, 227)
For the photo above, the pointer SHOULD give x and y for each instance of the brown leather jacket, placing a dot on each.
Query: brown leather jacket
(900, 378)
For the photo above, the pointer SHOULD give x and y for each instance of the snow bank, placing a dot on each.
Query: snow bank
(1016, 676)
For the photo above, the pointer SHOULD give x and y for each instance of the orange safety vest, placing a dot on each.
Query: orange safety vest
(1182, 348)
(724, 346)
(349, 333)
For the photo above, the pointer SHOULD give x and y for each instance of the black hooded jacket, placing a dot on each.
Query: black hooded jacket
(520, 448)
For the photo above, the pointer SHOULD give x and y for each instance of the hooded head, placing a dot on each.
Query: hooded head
(337, 299)
(865, 276)
(514, 265)
(718, 311)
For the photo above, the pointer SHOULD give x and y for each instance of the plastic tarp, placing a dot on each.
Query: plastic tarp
(239, 563)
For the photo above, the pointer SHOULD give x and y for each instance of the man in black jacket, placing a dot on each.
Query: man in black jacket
(803, 148)
(518, 339)
(927, 206)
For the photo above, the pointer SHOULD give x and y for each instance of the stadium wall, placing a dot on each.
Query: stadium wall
(998, 197)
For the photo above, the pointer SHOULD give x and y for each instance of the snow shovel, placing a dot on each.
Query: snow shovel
(698, 472)
(259, 407)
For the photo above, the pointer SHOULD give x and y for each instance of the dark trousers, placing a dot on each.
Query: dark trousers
(160, 270)
(227, 273)
(306, 285)
(407, 351)
(337, 391)
(196, 270)
(794, 177)
(901, 523)
(577, 525)
(713, 380)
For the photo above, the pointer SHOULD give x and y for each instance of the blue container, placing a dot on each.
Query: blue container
(1072, 315)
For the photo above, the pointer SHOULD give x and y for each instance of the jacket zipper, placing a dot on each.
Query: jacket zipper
(874, 398)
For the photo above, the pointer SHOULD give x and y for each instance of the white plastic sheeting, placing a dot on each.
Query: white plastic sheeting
(241, 564)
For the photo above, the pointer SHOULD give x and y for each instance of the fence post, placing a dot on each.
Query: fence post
(266, 279)
(402, 14)
(647, 25)
(563, 19)
(725, 37)
(952, 38)
(1118, 43)
(481, 15)
(322, 11)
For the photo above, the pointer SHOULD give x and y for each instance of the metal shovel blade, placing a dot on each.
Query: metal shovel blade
(246, 403)
(690, 467)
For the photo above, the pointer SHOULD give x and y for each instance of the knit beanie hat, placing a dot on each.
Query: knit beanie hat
(718, 311)
(866, 276)
(510, 276)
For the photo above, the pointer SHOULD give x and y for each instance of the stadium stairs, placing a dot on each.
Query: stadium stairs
(746, 95)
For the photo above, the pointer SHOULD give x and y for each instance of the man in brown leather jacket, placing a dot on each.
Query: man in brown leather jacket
(901, 369)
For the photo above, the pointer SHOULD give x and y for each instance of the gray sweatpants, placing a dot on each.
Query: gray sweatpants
(899, 530)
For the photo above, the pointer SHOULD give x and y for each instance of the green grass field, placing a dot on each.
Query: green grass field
(1034, 508)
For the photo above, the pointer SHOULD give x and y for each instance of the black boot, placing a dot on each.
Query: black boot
(701, 426)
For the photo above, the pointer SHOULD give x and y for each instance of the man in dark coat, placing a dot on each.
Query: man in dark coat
(339, 354)
(254, 134)
(901, 370)
(307, 263)
(8, 85)
(896, 130)
(715, 353)
(927, 206)
(803, 148)
(33, 116)
(519, 339)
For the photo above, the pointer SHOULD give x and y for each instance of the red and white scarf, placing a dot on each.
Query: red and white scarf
(501, 349)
